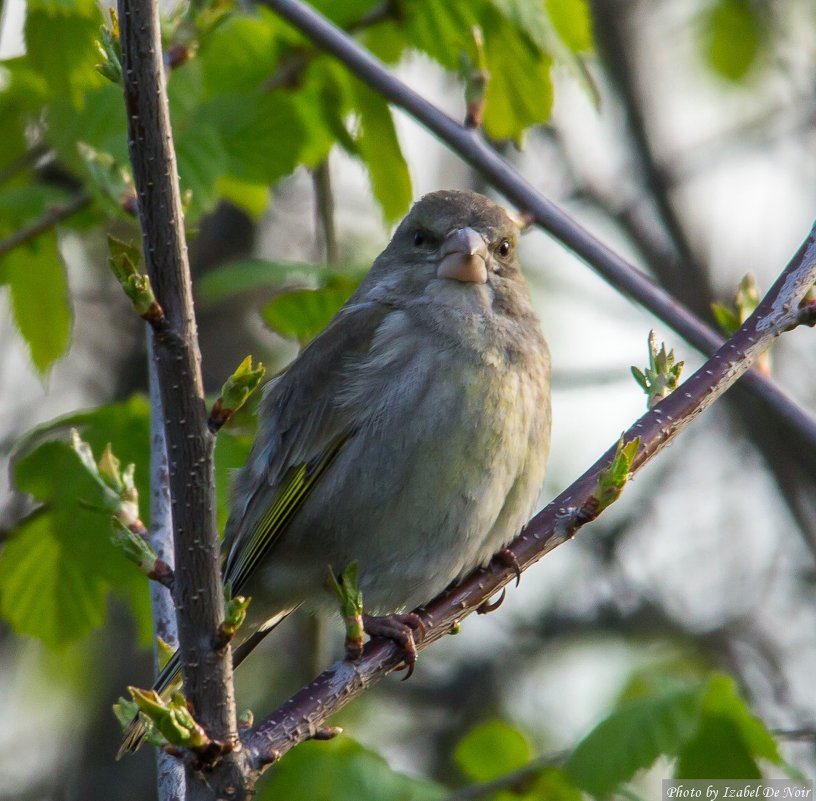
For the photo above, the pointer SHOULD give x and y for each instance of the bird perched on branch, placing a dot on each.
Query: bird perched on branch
(410, 436)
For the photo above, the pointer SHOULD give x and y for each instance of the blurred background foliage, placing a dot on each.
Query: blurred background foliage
(656, 643)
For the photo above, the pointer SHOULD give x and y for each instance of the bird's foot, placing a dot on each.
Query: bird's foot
(508, 559)
(405, 630)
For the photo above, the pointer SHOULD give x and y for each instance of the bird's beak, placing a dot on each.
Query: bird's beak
(464, 256)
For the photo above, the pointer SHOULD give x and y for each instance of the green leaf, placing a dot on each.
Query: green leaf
(59, 566)
(730, 738)
(491, 750)
(46, 589)
(716, 752)
(442, 29)
(60, 46)
(242, 53)
(732, 38)
(302, 314)
(252, 198)
(573, 23)
(380, 150)
(262, 133)
(632, 738)
(342, 770)
(520, 91)
(39, 298)
(100, 123)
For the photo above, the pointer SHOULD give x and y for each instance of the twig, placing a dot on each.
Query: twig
(471, 148)
(207, 672)
(512, 780)
(324, 210)
(23, 162)
(51, 218)
(306, 712)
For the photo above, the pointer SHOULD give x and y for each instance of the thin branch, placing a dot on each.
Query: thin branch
(471, 148)
(207, 672)
(23, 162)
(306, 712)
(50, 219)
(683, 275)
(324, 210)
(516, 779)
(171, 784)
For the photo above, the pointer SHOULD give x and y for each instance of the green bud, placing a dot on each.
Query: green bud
(172, 719)
(109, 49)
(662, 375)
(351, 606)
(613, 478)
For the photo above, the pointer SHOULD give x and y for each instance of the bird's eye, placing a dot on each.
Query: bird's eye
(420, 238)
(504, 248)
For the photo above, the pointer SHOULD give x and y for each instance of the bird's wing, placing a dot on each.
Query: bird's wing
(302, 431)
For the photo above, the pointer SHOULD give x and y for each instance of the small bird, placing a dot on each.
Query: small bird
(410, 436)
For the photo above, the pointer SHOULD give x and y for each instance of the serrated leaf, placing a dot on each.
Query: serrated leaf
(59, 566)
(39, 298)
(491, 750)
(262, 133)
(302, 314)
(342, 770)
(380, 150)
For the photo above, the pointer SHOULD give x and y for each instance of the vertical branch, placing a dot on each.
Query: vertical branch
(324, 210)
(207, 672)
(171, 784)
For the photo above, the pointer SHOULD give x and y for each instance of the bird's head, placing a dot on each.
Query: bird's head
(453, 245)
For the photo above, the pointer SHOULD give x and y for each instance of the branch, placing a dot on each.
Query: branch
(207, 672)
(471, 148)
(170, 771)
(51, 218)
(558, 522)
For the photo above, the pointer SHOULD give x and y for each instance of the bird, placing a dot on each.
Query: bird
(410, 436)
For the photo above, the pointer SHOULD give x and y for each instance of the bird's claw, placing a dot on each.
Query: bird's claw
(486, 607)
(403, 629)
(508, 559)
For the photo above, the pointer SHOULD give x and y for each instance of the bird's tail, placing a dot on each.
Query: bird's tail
(170, 678)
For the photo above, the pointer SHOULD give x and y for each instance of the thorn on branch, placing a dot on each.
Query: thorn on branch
(327, 733)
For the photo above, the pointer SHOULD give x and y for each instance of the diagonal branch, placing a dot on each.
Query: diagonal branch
(558, 522)
(51, 218)
(198, 594)
(471, 148)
